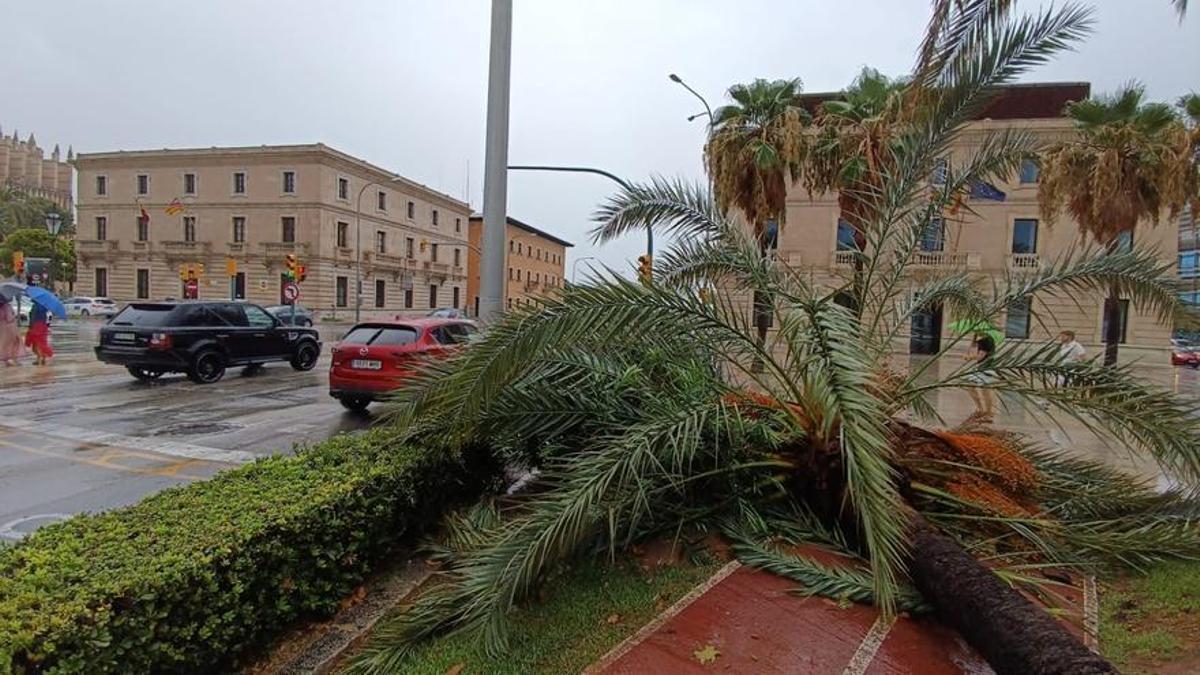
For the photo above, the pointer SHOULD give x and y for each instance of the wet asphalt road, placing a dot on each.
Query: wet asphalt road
(80, 436)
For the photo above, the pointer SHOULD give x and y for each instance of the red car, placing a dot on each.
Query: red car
(1184, 354)
(374, 357)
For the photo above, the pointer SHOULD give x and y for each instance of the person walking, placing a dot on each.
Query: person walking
(980, 353)
(10, 333)
(1070, 350)
(37, 338)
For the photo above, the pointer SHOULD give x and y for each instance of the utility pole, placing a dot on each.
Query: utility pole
(495, 175)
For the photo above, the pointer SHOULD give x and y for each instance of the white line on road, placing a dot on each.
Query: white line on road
(160, 446)
(869, 647)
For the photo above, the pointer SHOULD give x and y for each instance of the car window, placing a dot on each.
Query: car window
(192, 316)
(361, 335)
(459, 333)
(230, 313)
(391, 337)
(258, 317)
(105, 301)
(149, 316)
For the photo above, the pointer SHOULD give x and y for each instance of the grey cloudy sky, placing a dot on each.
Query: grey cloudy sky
(403, 83)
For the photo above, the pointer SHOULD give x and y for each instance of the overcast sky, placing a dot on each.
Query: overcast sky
(403, 83)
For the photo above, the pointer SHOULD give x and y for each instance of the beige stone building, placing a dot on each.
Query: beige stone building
(24, 165)
(256, 205)
(1002, 237)
(535, 263)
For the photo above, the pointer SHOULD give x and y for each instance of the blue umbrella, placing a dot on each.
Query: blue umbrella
(37, 294)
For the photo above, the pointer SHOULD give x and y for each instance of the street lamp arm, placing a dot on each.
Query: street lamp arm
(575, 169)
(707, 110)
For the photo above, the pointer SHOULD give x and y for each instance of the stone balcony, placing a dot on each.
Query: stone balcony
(437, 267)
(923, 260)
(282, 248)
(385, 260)
(185, 249)
(237, 248)
(1023, 261)
(97, 248)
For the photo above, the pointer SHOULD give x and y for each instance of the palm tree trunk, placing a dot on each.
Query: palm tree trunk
(1013, 634)
(1112, 326)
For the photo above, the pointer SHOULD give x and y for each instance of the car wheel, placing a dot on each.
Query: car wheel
(252, 370)
(306, 356)
(306, 323)
(144, 374)
(207, 367)
(84, 314)
(355, 404)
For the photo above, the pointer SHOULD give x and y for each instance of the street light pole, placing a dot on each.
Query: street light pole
(358, 247)
(707, 110)
(495, 177)
(575, 265)
(599, 172)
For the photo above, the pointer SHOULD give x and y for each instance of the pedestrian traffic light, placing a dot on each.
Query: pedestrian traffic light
(230, 267)
(301, 273)
(18, 264)
(645, 268)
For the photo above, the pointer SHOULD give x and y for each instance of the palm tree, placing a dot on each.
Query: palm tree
(1129, 162)
(642, 410)
(754, 153)
(851, 152)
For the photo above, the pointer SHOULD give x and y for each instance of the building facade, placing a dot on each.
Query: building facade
(534, 264)
(1005, 234)
(25, 166)
(145, 215)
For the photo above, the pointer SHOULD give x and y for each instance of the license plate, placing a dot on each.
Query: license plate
(366, 364)
(124, 337)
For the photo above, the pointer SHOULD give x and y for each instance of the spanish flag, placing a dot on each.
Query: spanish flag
(174, 208)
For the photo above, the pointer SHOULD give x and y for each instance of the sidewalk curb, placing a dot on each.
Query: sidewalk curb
(316, 649)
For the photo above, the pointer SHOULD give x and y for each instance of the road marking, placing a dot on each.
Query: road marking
(8, 530)
(869, 646)
(155, 445)
(1091, 614)
(170, 471)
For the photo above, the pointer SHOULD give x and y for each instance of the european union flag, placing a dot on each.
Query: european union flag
(984, 190)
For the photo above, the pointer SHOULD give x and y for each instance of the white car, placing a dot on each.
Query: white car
(85, 307)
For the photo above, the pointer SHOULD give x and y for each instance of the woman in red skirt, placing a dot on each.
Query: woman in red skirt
(37, 338)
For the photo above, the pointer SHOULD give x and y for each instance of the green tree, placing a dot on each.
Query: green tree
(1129, 162)
(20, 210)
(37, 243)
(643, 412)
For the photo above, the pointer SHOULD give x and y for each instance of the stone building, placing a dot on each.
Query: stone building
(1004, 235)
(25, 166)
(534, 264)
(256, 205)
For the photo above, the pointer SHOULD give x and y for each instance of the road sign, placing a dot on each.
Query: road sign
(291, 292)
(191, 289)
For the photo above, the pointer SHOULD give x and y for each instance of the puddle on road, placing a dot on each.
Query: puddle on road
(195, 428)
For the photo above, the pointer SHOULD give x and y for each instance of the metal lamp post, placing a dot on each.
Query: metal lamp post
(599, 172)
(707, 110)
(358, 245)
(53, 224)
(575, 265)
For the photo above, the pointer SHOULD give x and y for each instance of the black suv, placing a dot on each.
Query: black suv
(202, 339)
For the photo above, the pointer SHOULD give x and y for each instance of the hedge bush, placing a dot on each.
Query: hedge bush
(189, 579)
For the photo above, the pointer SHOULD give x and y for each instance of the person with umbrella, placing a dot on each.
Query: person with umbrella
(10, 334)
(37, 338)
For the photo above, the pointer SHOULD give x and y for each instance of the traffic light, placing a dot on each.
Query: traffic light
(424, 243)
(230, 267)
(290, 263)
(198, 271)
(301, 273)
(19, 264)
(185, 272)
(645, 268)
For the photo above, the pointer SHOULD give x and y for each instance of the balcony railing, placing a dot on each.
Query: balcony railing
(235, 248)
(95, 245)
(140, 246)
(1023, 261)
(945, 260)
(437, 267)
(186, 246)
(284, 247)
(843, 258)
(458, 271)
(388, 260)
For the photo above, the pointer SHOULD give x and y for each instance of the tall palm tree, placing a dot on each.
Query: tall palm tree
(620, 395)
(1129, 162)
(754, 153)
(851, 152)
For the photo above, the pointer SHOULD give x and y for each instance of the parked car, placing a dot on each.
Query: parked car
(202, 339)
(375, 357)
(86, 307)
(447, 313)
(302, 316)
(1185, 353)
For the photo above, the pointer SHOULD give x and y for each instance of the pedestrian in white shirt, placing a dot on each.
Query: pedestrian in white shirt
(1070, 350)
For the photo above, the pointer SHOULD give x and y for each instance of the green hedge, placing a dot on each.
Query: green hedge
(190, 578)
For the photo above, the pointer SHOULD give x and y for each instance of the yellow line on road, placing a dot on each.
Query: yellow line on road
(169, 471)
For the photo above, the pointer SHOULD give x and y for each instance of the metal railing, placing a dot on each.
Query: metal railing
(1023, 261)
